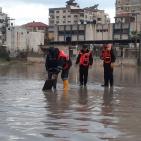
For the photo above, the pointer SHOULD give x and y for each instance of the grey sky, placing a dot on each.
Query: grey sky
(28, 10)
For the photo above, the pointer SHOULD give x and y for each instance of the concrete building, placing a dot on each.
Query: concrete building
(83, 32)
(4, 22)
(21, 40)
(77, 23)
(128, 11)
(127, 18)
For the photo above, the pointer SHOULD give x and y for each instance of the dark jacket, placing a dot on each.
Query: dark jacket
(83, 52)
(53, 63)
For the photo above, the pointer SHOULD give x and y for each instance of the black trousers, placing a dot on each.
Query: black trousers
(64, 74)
(53, 76)
(108, 74)
(83, 75)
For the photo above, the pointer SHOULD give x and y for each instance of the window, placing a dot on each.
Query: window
(57, 11)
(75, 22)
(57, 22)
(52, 17)
(51, 11)
(99, 19)
(51, 22)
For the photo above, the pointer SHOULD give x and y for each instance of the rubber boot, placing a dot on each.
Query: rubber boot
(66, 84)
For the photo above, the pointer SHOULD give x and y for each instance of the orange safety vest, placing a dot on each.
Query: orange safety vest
(106, 55)
(84, 59)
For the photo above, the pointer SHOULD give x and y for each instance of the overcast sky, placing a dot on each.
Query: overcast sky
(24, 11)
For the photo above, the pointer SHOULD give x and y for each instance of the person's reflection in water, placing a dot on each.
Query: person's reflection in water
(57, 105)
(107, 106)
(52, 103)
(64, 101)
(107, 97)
(83, 96)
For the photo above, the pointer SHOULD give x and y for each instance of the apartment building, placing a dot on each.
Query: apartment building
(75, 22)
(4, 22)
(128, 10)
(127, 19)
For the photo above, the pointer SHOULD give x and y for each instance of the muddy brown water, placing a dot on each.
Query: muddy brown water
(79, 114)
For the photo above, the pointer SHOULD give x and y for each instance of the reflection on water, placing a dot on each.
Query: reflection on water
(93, 113)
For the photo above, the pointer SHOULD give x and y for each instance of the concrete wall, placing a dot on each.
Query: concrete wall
(19, 39)
(35, 39)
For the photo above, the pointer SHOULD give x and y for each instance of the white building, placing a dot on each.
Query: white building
(19, 39)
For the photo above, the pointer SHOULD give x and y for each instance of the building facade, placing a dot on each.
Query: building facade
(128, 11)
(79, 24)
(127, 18)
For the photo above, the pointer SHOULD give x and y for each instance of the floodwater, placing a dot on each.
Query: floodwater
(79, 114)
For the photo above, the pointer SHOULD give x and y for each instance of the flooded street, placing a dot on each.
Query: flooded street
(79, 114)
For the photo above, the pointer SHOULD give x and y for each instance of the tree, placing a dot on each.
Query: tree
(134, 37)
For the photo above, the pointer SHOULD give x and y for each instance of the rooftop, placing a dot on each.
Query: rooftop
(35, 24)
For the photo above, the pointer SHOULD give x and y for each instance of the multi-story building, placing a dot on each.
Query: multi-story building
(127, 19)
(75, 22)
(128, 10)
(4, 22)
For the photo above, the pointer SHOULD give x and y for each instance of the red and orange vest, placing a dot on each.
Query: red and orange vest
(84, 59)
(106, 56)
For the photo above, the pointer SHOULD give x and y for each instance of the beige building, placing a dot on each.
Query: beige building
(128, 11)
(80, 24)
(127, 19)
(83, 32)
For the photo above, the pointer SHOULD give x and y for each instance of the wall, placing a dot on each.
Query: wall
(18, 39)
